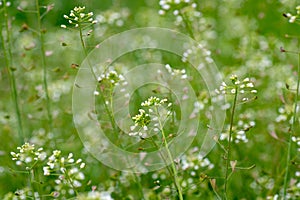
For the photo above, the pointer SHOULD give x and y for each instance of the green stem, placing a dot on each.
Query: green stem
(43, 57)
(229, 141)
(108, 112)
(85, 51)
(162, 155)
(140, 188)
(31, 181)
(291, 132)
(8, 60)
(177, 184)
(187, 24)
(95, 77)
(68, 178)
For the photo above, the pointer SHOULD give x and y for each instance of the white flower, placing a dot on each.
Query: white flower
(96, 93)
(166, 7)
(76, 183)
(82, 165)
(28, 159)
(46, 171)
(246, 80)
(249, 85)
(288, 15)
(292, 19)
(161, 12)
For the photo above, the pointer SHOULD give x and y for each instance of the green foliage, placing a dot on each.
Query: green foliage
(257, 151)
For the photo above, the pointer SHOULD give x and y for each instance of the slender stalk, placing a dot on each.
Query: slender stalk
(187, 24)
(43, 57)
(68, 178)
(95, 77)
(291, 132)
(216, 193)
(9, 61)
(177, 184)
(31, 181)
(84, 50)
(229, 141)
(161, 154)
(140, 188)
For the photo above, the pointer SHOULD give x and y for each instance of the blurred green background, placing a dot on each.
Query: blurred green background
(244, 37)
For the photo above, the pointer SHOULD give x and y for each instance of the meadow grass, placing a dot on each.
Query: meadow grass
(42, 155)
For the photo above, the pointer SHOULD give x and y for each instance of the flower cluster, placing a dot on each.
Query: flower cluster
(112, 76)
(67, 170)
(293, 18)
(113, 18)
(176, 72)
(175, 6)
(195, 161)
(184, 11)
(293, 192)
(192, 166)
(245, 90)
(21, 194)
(244, 124)
(144, 118)
(154, 101)
(285, 113)
(240, 86)
(263, 182)
(110, 79)
(79, 19)
(28, 155)
(95, 195)
(195, 52)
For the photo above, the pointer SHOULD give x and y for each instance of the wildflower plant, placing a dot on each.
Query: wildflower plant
(156, 113)
(195, 170)
(43, 61)
(6, 40)
(144, 128)
(113, 18)
(243, 87)
(30, 160)
(153, 112)
(184, 11)
(240, 130)
(79, 19)
(294, 122)
(242, 92)
(28, 156)
(67, 172)
(175, 6)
